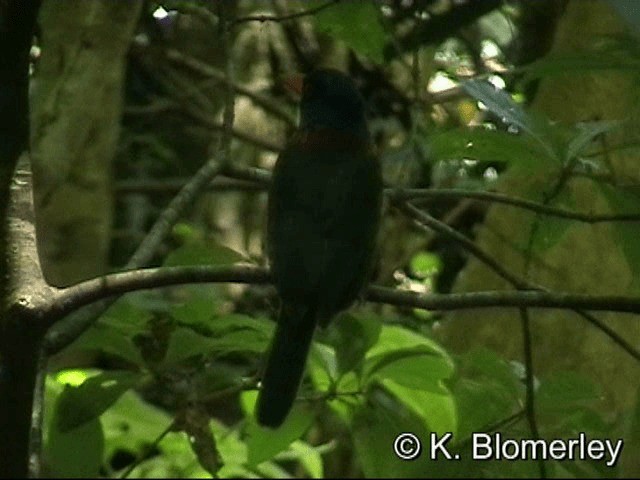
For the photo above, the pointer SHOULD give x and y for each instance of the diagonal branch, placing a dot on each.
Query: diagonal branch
(447, 193)
(517, 282)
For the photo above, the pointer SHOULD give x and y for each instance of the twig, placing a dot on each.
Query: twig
(504, 423)
(283, 18)
(427, 220)
(440, 227)
(530, 408)
(202, 68)
(412, 194)
(150, 448)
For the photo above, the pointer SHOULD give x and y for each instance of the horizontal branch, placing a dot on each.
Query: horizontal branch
(69, 299)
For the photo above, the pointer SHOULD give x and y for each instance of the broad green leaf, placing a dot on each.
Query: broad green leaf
(566, 391)
(414, 367)
(486, 145)
(196, 254)
(480, 404)
(264, 443)
(375, 428)
(131, 424)
(234, 322)
(310, 458)
(357, 24)
(436, 409)
(322, 366)
(393, 338)
(106, 339)
(185, 343)
(485, 364)
(77, 453)
(351, 336)
(77, 405)
(196, 305)
(500, 103)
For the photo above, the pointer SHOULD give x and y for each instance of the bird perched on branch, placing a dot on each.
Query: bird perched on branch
(323, 217)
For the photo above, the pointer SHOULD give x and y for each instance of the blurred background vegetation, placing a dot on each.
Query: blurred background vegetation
(532, 99)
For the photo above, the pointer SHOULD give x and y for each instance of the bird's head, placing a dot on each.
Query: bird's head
(330, 100)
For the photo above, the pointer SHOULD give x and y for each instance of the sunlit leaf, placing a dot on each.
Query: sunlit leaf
(486, 145)
(77, 405)
(263, 443)
(501, 104)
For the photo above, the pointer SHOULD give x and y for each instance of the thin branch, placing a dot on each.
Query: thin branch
(412, 194)
(530, 408)
(148, 450)
(611, 333)
(83, 293)
(173, 185)
(521, 284)
(504, 423)
(209, 71)
(284, 18)
(427, 220)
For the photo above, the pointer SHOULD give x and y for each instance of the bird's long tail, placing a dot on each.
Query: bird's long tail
(285, 366)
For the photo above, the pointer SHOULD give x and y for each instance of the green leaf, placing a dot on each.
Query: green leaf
(437, 409)
(264, 443)
(357, 24)
(416, 367)
(393, 338)
(77, 405)
(485, 364)
(196, 254)
(481, 404)
(77, 453)
(566, 391)
(351, 336)
(185, 343)
(310, 458)
(501, 104)
(587, 132)
(106, 339)
(131, 424)
(486, 145)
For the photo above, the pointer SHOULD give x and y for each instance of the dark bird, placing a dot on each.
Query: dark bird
(323, 216)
